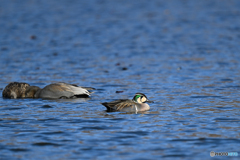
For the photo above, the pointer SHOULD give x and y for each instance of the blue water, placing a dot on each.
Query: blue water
(183, 54)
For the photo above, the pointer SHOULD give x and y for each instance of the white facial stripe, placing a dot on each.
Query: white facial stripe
(143, 99)
(139, 100)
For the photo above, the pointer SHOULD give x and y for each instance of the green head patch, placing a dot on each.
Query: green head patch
(136, 97)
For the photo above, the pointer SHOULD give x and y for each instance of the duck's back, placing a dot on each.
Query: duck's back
(124, 105)
(60, 90)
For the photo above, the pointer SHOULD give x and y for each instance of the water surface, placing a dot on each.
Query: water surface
(184, 55)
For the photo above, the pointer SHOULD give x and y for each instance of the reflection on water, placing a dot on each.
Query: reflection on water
(184, 55)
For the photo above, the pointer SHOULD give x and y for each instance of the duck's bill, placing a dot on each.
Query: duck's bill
(150, 101)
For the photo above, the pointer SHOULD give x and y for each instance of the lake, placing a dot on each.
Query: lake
(184, 55)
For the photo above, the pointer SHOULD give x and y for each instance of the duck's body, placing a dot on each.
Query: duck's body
(52, 91)
(62, 90)
(137, 104)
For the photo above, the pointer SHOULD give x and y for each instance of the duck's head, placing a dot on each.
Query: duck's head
(141, 98)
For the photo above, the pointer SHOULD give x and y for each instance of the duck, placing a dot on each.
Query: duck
(137, 104)
(58, 90)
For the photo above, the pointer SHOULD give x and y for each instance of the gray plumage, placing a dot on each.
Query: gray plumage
(61, 90)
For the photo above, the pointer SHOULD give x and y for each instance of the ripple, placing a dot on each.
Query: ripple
(46, 106)
(206, 97)
(175, 155)
(99, 128)
(84, 121)
(230, 86)
(45, 144)
(140, 133)
(113, 85)
(226, 80)
(11, 108)
(52, 133)
(19, 149)
(226, 119)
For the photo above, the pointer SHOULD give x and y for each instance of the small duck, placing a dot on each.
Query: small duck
(137, 104)
(52, 91)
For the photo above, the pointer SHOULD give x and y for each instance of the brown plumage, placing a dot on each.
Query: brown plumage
(119, 104)
(15, 90)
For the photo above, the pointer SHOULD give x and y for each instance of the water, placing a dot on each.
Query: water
(184, 55)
